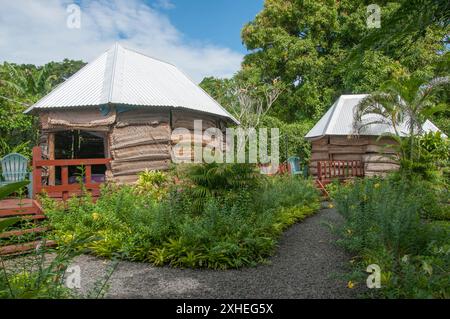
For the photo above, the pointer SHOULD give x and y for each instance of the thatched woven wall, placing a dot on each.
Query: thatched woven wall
(136, 139)
(367, 149)
(185, 119)
(139, 140)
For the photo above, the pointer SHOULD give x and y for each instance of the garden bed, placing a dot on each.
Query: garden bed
(219, 217)
(401, 225)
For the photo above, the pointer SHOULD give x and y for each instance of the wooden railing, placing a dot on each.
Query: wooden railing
(329, 170)
(65, 189)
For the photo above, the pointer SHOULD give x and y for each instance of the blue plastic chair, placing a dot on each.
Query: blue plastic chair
(295, 167)
(15, 169)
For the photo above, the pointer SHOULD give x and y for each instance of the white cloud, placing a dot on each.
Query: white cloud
(35, 31)
(164, 4)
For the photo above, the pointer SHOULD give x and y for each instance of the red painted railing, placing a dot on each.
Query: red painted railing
(65, 189)
(329, 170)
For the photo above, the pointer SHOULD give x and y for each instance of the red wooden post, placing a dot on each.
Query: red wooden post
(345, 171)
(88, 173)
(37, 171)
(319, 170)
(329, 169)
(65, 181)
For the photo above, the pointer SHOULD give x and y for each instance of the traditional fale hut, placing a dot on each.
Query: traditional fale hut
(333, 138)
(124, 105)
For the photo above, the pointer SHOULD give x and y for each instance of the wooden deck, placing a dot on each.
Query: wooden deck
(13, 203)
(26, 209)
(31, 210)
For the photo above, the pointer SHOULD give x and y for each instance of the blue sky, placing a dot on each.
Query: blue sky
(214, 21)
(201, 37)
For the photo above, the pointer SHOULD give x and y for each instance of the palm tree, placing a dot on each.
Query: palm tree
(28, 82)
(407, 102)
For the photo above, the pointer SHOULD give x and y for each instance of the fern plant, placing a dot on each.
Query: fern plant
(216, 179)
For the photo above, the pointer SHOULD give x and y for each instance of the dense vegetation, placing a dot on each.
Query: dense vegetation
(313, 48)
(394, 223)
(318, 50)
(402, 224)
(42, 273)
(221, 216)
(20, 87)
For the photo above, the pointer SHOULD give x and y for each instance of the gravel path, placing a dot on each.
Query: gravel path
(307, 265)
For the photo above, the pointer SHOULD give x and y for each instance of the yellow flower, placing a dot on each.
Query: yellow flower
(350, 285)
(95, 216)
(66, 238)
(330, 205)
(377, 185)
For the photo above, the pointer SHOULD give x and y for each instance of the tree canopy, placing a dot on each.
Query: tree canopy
(322, 49)
(20, 86)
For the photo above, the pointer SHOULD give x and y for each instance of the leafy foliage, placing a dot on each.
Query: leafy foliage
(237, 225)
(314, 48)
(292, 141)
(20, 87)
(384, 225)
(41, 274)
(216, 178)
(406, 103)
(153, 182)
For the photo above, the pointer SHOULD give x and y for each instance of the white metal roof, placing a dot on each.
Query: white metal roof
(338, 120)
(125, 77)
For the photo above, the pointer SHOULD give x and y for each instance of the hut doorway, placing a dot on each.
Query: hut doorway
(78, 144)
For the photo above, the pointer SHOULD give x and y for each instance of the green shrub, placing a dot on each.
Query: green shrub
(154, 183)
(385, 225)
(292, 141)
(285, 191)
(216, 180)
(41, 273)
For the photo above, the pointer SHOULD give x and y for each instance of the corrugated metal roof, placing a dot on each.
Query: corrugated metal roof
(428, 126)
(125, 77)
(338, 120)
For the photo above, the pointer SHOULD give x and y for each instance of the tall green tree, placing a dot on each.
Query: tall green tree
(309, 45)
(20, 87)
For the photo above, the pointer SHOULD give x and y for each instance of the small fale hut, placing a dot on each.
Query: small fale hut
(124, 105)
(333, 138)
